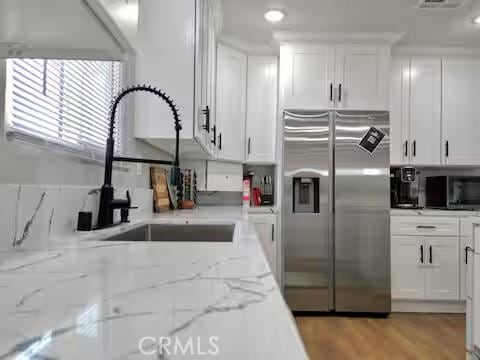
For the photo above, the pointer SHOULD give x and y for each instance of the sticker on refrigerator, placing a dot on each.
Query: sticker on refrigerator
(370, 141)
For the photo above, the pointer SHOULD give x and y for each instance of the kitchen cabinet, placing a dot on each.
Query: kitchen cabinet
(231, 104)
(442, 270)
(261, 109)
(408, 280)
(460, 107)
(307, 77)
(343, 77)
(474, 314)
(425, 258)
(416, 111)
(465, 243)
(400, 111)
(180, 62)
(266, 228)
(361, 76)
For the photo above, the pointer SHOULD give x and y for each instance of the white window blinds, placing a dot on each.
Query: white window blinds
(63, 102)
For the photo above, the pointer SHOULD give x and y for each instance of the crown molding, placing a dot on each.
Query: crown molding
(248, 48)
(435, 50)
(386, 38)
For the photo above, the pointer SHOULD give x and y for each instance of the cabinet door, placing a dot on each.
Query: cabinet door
(461, 108)
(399, 112)
(175, 21)
(465, 258)
(475, 317)
(266, 230)
(231, 103)
(425, 111)
(362, 77)
(408, 277)
(443, 272)
(261, 109)
(306, 77)
(202, 76)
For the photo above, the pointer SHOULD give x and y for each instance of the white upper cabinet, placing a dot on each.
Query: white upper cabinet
(307, 74)
(415, 111)
(231, 104)
(425, 111)
(173, 54)
(342, 77)
(461, 111)
(400, 111)
(361, 77)
(261, 109)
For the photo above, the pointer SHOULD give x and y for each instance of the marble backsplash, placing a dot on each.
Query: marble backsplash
(35, 217)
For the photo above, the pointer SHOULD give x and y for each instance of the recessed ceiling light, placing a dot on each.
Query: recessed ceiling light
(476, 20)
(274, 15)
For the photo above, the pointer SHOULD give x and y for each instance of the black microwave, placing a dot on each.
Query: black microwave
(453, 192)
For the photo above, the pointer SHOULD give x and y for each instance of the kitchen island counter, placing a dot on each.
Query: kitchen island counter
(86, 298)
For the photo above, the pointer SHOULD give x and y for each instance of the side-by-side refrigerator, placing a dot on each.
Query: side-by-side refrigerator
(336, 203)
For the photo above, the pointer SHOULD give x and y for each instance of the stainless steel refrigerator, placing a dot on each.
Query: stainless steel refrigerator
(336, 203)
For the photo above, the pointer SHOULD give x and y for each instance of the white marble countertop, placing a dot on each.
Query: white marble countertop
(84, 298)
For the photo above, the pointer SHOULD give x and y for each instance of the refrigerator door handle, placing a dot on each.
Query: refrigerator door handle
(304, 116)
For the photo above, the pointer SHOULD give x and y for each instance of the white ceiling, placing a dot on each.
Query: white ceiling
(243, 20)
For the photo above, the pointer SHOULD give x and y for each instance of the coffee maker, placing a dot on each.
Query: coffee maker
(404, 188)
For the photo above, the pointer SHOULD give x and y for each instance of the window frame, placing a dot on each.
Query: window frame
(90, 152)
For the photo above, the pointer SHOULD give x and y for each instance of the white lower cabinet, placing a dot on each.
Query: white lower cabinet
(266, 227)
(442, 270)
(408, 280)
(474, 285)
(424, 264)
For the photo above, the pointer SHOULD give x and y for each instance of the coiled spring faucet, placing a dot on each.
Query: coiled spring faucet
(107, 201)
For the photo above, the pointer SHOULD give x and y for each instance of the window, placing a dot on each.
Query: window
(63, 103)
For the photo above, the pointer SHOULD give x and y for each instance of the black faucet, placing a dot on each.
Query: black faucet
(107, 201)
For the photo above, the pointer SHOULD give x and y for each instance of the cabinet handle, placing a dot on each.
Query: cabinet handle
(467, 249)
(331, 91)
(405, 152)
(421, 254)
(273, 232)
(430, 259)
(249, 146)
(214, 140)
(447, 150)
(340, 93)
(206, 112)
(220, 141)
(414, 147)
(426, 227)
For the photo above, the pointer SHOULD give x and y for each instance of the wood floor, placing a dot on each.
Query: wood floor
(401, 336)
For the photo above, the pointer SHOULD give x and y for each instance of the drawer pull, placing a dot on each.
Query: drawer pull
(421, 254)
(430, 260)
(426, 227)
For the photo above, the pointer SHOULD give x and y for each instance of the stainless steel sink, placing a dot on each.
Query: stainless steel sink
(178, 232)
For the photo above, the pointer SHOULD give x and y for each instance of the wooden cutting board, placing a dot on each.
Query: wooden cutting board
(159, 180)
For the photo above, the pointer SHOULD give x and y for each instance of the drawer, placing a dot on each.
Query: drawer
(424, 226)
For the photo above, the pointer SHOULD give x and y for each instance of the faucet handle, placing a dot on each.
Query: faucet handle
(129, 199)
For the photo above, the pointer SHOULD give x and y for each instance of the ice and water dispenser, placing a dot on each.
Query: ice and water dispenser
(306, 199)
